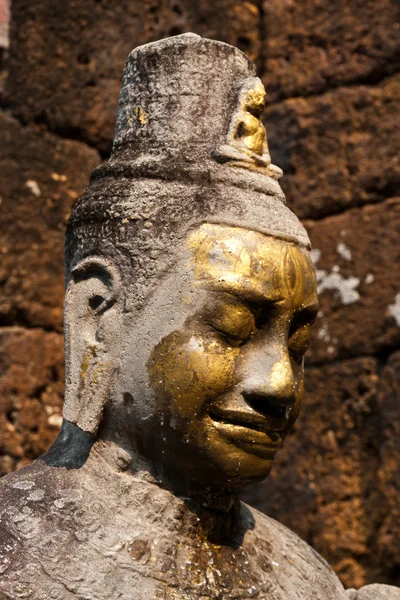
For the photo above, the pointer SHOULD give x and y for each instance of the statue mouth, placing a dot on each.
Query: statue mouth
(271, 425)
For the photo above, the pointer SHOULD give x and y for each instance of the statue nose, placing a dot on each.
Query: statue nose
(269, 386)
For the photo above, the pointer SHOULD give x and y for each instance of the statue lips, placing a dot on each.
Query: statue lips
(248, 429)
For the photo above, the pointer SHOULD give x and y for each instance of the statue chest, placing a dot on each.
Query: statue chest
(107, 563)
(109, 538)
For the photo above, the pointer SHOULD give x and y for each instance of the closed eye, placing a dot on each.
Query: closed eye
(300, 332)
(231, 338)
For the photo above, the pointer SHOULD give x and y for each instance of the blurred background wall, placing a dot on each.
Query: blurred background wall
(331, 68)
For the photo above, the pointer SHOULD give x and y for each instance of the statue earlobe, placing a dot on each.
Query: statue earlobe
(91, 317)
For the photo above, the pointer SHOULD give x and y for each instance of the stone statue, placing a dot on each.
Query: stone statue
(190, 296)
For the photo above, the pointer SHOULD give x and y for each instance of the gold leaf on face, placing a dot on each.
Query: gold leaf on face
(253, 301)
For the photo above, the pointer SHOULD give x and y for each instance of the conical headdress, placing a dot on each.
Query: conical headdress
(189, 148)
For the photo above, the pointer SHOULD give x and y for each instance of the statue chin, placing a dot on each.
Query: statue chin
(189, 306)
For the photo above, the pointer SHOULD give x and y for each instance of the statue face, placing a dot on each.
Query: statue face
(216, 379)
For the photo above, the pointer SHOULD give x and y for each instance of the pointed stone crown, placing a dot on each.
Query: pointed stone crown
(187, 102)
(189, 148)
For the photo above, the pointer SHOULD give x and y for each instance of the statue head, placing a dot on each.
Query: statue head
(190, 290)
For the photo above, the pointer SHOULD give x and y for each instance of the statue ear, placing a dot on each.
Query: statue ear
(98, 283)
(91, 318)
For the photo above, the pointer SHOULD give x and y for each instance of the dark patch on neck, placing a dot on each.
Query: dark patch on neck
(71, 448)
(222, 528)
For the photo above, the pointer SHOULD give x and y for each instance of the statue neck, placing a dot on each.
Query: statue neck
(218, 516)
(131, 461)
(113, 433)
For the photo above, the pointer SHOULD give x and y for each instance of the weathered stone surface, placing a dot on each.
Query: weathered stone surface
(41, 175)
(375, 592)
(311, 46)
(338, 150)
(161, 549)
(357, 256)
(67, 58)
(31, 394)
(389, 472)
(336, 480)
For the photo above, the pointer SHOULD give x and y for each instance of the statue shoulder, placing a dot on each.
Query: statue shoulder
(30, 528)
(289, 542)
(18, 486)
(296, 564)
(35, 483)
(375, 591)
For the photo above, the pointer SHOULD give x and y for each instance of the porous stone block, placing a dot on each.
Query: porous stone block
(389, 472)
(67, 58)
(31, 394)
(41, 175)
(337, 150)
(356, 255)
(311, 46)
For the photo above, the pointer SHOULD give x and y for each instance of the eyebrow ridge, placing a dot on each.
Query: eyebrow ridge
(249, 297)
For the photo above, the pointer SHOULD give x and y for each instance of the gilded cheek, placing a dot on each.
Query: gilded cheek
(190, 370)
